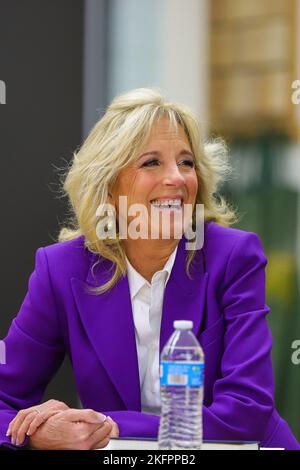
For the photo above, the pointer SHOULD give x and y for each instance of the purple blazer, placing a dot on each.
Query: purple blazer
(225, 299)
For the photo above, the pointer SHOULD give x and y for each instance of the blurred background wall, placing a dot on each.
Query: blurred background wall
(254, 60)
(41, 60)
(232, 61)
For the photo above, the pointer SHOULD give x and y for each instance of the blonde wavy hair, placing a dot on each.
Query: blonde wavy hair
(115, 142)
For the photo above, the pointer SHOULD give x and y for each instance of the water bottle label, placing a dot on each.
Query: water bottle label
(181, 374)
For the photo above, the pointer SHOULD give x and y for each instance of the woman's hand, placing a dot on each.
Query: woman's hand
(28, 420)
(74, 430)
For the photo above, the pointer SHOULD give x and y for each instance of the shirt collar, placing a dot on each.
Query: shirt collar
(137, 281)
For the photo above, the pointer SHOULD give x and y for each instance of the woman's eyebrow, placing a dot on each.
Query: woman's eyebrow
(156, 152)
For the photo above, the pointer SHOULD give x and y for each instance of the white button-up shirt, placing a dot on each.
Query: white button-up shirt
(147, 303)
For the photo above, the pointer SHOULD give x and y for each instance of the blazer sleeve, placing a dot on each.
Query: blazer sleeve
(243, 398)
(34, 349)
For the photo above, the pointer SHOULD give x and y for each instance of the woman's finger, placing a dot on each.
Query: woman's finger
(11, 424)
(18, 420)
(22, 414)
(39, 419)
(101, 437)
(115, 428)
(86, 415)
(18, 432)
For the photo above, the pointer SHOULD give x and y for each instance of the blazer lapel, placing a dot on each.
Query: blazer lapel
(184, 298)
(108, 321)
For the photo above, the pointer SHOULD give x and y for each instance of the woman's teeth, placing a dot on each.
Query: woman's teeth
(167, 203)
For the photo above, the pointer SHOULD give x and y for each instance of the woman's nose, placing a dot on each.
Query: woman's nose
(173, 176)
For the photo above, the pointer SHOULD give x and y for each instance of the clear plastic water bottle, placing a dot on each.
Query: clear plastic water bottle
(181, 387)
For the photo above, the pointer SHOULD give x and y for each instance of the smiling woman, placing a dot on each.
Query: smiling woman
(110, 303)
(144, 148)
(163, 177)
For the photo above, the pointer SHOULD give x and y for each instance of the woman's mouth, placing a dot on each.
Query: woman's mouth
(167, 204)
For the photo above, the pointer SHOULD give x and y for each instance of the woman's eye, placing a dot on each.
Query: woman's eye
(152, 162)
(189, 163)
(155, 162)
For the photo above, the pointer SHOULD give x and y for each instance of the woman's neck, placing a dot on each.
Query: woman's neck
(148, 256)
